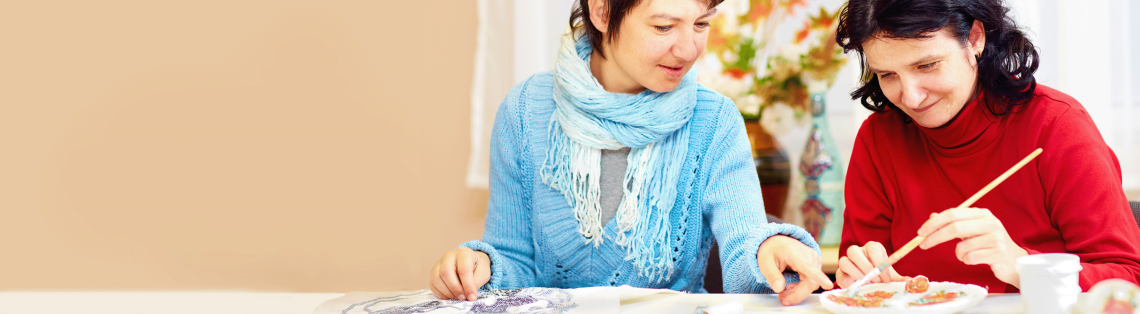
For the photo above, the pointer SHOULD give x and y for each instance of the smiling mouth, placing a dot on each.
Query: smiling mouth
(924, 109)
(672, 71)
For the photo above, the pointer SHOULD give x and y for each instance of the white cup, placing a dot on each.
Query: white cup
(1049, 282)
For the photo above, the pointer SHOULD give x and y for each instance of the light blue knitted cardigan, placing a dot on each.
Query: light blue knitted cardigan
(532, 237)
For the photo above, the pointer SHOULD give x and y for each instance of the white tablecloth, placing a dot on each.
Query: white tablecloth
(632, 301)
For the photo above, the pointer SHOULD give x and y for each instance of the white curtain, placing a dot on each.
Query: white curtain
(516, 39)
(1086, 52)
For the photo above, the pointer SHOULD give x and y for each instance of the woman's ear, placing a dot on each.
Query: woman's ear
(977, 38)
(599, 15)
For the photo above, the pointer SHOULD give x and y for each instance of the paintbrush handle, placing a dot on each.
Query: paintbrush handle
(887, 263)
(903, 251)
(866, 278)
(918, 239)
(999, 179)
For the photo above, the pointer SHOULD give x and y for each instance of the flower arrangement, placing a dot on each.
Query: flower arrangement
(773, 89)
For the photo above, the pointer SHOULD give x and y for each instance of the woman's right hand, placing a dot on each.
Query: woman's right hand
(459, 274)
(861, 260)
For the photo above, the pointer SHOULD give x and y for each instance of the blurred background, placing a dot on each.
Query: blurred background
(285, 145)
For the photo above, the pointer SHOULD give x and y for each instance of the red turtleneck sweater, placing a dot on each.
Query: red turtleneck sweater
(1069, 199)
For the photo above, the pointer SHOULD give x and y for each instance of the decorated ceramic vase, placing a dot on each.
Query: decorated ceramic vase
(823, 179)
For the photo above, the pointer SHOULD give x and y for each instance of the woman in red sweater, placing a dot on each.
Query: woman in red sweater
(951, 83)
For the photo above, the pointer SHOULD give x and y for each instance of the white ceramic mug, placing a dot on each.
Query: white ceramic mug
(1049, 282)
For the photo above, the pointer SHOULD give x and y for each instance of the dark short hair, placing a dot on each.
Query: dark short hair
(618, 9)
(1005, 68)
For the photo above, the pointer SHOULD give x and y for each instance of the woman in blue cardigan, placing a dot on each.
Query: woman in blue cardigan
(620, 169)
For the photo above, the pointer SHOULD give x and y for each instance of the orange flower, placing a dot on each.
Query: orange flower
(826, 20)
(792, 4)
(736, 73)
(803, 33)
(760, 10)
(717, 40)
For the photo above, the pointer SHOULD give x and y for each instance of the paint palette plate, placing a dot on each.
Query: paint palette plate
(883, 298)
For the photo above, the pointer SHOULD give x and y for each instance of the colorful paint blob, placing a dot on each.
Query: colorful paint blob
(870, 299)
(917, 284)
(938, 297)
(880, 295)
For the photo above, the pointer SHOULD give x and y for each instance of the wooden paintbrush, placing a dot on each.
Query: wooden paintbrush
(917, 240)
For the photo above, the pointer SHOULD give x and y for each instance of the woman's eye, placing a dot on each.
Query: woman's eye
(663, 28)
(885, 75)
(928, 65)
(702, 24)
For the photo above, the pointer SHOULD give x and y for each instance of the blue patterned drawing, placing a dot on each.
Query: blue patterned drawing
(529, 300)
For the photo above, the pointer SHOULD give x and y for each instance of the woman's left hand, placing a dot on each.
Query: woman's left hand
(984, 240)
(779, 253)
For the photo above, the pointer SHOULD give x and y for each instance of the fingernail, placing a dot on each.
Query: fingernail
(461, 297)
(472, 297)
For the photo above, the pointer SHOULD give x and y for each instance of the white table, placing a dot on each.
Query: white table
(1000, 303)
(288, 303)
(633, 300)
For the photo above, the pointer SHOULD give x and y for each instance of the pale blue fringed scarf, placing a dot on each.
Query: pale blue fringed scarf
(588, 119)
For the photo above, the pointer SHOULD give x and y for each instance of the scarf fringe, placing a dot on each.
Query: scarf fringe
(654, 125)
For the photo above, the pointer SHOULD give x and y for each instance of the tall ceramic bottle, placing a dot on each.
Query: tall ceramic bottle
(823, 179)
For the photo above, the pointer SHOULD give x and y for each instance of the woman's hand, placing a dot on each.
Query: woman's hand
(861, 260)
(459, 274)
(984, 240)
(779, 253)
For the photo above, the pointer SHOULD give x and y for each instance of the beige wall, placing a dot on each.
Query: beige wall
(310, 146)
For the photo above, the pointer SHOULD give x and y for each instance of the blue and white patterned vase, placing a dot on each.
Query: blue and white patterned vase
(823, 179)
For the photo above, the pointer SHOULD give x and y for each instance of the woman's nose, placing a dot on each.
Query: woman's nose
(912, 94)
(686, 47)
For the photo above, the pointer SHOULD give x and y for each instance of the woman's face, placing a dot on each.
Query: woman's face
(658, 43)
(930, 79)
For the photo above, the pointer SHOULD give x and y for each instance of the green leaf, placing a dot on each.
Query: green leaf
(747, 52)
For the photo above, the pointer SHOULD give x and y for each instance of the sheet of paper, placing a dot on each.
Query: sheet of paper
(527, 300)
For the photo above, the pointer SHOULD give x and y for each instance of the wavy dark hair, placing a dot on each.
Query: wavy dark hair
(1005, 68)
(618, 9)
